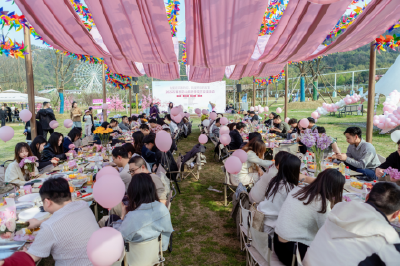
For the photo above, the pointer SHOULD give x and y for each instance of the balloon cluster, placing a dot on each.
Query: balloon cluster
(177, 114)
(391, 113)
(333, 107)
(234, 163)
(259, 109)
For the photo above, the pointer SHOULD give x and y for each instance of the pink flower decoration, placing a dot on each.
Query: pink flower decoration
(71, 146)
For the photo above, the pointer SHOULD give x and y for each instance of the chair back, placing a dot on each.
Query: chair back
(244, 217)
(291, 148)
(147, 253)
(259, 240)
(381, 158)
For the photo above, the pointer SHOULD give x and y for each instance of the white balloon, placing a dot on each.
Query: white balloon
(395, 136)
(206, 122)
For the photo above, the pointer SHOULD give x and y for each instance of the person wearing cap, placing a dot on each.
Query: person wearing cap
(88, 123)
(253, 116)
(312, 124)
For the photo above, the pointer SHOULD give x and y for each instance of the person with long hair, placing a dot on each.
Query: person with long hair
(72, 137)
(278, 190)
(257, 192)
(54, 147)
(130, 149)
(251, 171)
(236, 137)
(37, 147)
(16, 174)
(304, 212)
(138, 137)
(75, 115)
(170, 106)
(135, 123)
(144, 218)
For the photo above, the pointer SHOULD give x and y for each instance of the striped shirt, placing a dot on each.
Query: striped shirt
(65, 235)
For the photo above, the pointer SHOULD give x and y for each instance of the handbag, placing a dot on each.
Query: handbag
(258, 218)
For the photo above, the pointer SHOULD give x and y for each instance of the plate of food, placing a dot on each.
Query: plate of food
(29, 198)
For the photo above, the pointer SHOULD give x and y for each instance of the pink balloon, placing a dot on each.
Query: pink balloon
(105, 246)
(224, 121)
(213, 116)
(68, 123)
(175, 111)
(225, 139)
(241, 154)
(304, 123)
(199, 115)
(256, 108)
(25, 115)
(252, 108)
(314, 115)
(381, 125)
(223, 130)
(104, 106)
(287, 119)
(187, 115)
(53, 124)
(108, 170)
(278, 110)
(376, 122)
(109, 191)
(197, 111)
(163, 141)
(203, 139)
(233, 165)
(6, 133)
(178, 118)
(266, 109)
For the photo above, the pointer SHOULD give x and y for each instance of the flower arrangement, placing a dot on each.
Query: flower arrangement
(393, 173)
(29, 163)
(71, 148)
(317, 143)
(103, 134)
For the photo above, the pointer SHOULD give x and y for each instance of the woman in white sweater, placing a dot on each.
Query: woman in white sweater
(278, 190)
(304, 212)
(251, 170)
(14, 173)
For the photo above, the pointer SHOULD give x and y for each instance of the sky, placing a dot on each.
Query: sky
(19, 36)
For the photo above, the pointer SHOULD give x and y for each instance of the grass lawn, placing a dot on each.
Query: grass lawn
(204, 232)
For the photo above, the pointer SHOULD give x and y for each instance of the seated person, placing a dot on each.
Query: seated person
(231, 126)
(257, 192)
(137, 165)
(270, 122)
(114, 126)
(130, 149)
(360, 156)
(145, 217)
(18, 258)
(135, 123)
(66, 233)
(78, 142)
(357, 233)
(278, 190)
(96, 121)
(154, 127)
(293, 131)
(333, 146)
(174, 147)
(256, 135)
(27, 131)
(15, 173)
(253, 116)
(215, 128)
(54, 148)
(236, 138)
(308, 207)
(121, 159)
(279, 127)
(137, 142)
(72, 137)
(124, 125)
(312, 124)
(392, 161)
(145, 129)
(251, 171)
(172, 125)
(37, 147)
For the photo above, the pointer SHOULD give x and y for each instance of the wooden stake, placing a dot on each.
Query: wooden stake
(104, 93)
(286, 89)
(254, 93)
(30, 86)
(371, 92)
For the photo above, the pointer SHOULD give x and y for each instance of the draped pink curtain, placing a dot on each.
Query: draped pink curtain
(266, 70)
(168, 71)
(220, 33)
(123, 67)
(377, 17)
(205, 75)
(59, 25)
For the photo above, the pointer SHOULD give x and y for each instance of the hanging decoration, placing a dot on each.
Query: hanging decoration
(83, 11)
(272, 16)
(172, 9)
(15, 50)
(184, 56)
(271, 79)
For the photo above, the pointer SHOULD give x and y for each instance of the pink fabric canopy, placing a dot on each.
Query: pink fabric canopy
(205, 75)
(168, 71)
(377, 17)
(266, 70)
(59, 25)
(222, 33)
(123, 67)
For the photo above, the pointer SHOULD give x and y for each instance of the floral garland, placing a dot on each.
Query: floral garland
(184, 56)
(172, 9)
(271, 79)
(272, 16)
(15, 50)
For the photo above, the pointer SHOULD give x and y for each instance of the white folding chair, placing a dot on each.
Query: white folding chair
(291, 148)
(244, 226)
(147, 253)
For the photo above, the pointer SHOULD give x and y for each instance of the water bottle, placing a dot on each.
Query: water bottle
(364, 192)
(347, 172)
(95, 169)
(310, 158)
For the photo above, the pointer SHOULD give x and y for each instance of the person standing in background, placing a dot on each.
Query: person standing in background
(76, 114)
(3, 115)
(88, 123)
(46, 115)
(8, 109)
(170, 106)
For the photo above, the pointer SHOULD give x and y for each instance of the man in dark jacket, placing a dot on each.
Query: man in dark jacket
(46, 115)
(28, 133)
(8, 109)
(3, 115)
(236, 138)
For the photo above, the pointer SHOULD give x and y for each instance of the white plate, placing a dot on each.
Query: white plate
(24, 205)
(30, 197)
(32, 213)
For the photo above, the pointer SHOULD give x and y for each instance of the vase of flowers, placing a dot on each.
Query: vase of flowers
(28, 164)
(317, 143)
(104, 135)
